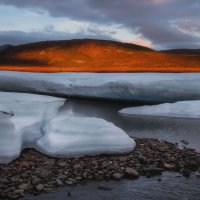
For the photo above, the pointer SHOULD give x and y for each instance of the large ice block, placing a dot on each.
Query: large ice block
(68, 136)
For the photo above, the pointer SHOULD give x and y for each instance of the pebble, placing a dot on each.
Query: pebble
(117, 176)
(40, 187)
(23, 186)
(43, 173)
(185, 142)
(61, 164)
(132, 172)
(169, 166)
(36, 180)
(69, 182)
(59, 182)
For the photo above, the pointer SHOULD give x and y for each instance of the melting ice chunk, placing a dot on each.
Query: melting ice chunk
(68, 136)
(22, 126)
(33, 121)
(184, 109)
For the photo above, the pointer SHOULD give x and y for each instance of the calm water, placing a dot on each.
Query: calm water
(170, 129)
(172, 187)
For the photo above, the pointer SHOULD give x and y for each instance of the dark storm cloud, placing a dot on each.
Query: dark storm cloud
(152, 18)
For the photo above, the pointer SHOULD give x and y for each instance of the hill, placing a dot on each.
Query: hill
(95, 56)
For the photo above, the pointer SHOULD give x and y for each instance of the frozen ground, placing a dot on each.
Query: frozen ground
(161, 87)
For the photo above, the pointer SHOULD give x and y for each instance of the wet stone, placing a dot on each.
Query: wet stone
(117, 176)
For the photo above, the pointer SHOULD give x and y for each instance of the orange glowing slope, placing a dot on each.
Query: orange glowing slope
(95, 56)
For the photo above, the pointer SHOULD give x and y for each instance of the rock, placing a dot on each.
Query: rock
(169, 166)
(194, 164)
(59, 182)
(24, 164)
(61, 164)
(19, 191)
(15, 179)
(77, 166)
(62, 176)
(40, 187)
(117, 176)
(69, 183)
(23, 186)
(36, 180)
(44, 173)
(185, 142)
(104, 164)
(78, 178)
(122, 159)
(131, 172)
(185, 173)
(142, 159)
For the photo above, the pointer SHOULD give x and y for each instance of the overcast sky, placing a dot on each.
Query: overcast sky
(160, 24)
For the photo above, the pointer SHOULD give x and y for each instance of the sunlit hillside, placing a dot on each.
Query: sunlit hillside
(95, 56)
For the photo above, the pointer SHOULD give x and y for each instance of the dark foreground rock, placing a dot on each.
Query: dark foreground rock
(35, 173)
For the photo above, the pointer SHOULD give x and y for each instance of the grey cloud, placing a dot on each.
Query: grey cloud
(150, 18)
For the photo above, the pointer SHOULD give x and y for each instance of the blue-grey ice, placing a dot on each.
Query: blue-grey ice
(182, 109)
(34, 121)
(67, 136)
(160, 87)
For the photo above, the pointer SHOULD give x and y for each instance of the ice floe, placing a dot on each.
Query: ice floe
(23, 127)
(67, 136)
(161, 87)
(34, 121)
(183, 109)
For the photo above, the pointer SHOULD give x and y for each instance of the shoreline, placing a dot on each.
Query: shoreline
(34, 173)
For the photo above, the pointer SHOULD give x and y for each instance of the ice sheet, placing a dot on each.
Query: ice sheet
(183, 109)
(161, 87)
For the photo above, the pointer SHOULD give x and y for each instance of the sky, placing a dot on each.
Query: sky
(159, 24)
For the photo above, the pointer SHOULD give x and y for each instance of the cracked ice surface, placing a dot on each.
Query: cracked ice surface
(182, 109)
(161, 87)
(34, 121)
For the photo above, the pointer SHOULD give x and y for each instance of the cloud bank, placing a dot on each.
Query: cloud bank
(162, 23)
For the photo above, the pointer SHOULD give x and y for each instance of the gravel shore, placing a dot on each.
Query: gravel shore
(35, 173)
